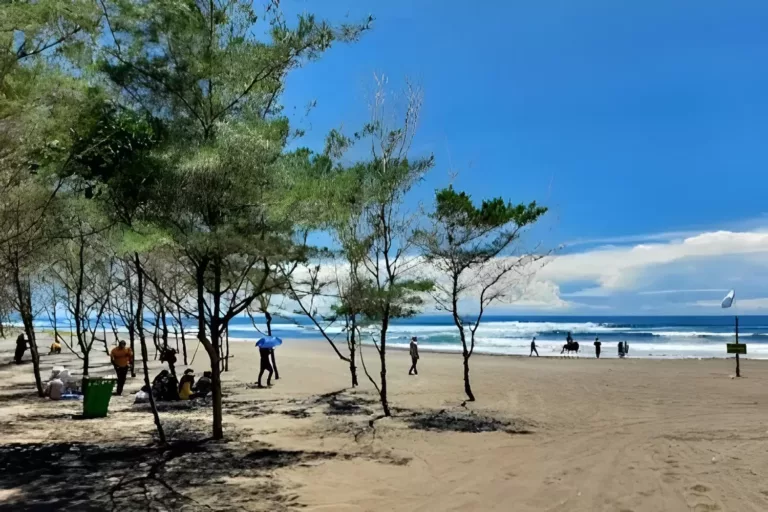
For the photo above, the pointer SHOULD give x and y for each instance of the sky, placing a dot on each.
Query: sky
(641, 125)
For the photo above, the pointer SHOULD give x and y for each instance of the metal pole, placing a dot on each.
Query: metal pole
(738, 370)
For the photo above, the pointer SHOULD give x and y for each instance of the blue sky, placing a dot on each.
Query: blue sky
(637, 123)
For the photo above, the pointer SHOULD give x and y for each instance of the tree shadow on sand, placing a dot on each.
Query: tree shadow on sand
(187, 475)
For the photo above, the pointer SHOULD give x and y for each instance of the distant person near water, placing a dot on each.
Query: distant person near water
(621, 349)
(533, 347)
(414, 350)
(626, 348)
(21, 347)
(121, 357)
(598, 343)
(569, 338)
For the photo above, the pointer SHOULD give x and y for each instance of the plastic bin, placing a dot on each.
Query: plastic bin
(96, 395)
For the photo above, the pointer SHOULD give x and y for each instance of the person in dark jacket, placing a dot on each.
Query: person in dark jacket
(21, 347)
(598, 344)
(414, 350)
(265, 354)
(203, 386)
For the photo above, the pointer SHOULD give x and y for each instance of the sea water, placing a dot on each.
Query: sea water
(648, 336)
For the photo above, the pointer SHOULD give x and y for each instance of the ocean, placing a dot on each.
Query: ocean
(648, 336)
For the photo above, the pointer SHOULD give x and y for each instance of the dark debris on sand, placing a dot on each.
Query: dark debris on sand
(463, 421)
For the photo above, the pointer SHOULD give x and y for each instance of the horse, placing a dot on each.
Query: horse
(569, 347)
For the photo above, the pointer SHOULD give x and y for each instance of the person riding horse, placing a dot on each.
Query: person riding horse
(570, 346)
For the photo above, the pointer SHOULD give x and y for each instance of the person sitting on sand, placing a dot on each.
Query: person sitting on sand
(186, 383)
(414, 350)
(165, 387)
(55, 348)
(54, 388)
(203, 386)
(265, 355)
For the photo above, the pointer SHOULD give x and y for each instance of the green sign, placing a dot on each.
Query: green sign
(737, 348)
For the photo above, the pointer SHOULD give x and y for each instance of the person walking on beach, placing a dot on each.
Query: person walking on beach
(21, 347)
(598, 343)
(533, 348)
(266, 365)
(121, 357)
(414, 350)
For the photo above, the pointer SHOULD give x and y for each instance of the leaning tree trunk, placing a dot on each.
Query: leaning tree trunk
(143, 342)
(24, 295)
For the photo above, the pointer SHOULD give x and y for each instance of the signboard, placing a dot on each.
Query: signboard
(737, 348)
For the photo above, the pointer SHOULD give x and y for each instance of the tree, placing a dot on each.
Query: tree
(473, 248)
(85, 272)
(380, 231)
(221, 200)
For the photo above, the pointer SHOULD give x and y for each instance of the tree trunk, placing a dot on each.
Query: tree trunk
(104, 333)
(24, 295)
(268, 317)
(132, 338)
(183, 341)
(218, 429)
(164, 332)
(383, 360)
(226, 356)
(86, 362)
(139, 317)
(352, 367)
(467, 386)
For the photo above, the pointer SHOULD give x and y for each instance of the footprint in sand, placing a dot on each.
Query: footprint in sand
(700, 488)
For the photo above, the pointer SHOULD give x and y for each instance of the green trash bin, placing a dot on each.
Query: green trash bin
(96, 395)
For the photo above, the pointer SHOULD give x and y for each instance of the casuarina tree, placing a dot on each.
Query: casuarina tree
(474, 250)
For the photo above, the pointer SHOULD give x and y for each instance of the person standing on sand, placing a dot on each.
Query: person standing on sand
(621, 350)
(121, 357)
(414, 350)
(533, 347)
(266, 366)
(597, 347)
(21, 347)
(626, 348)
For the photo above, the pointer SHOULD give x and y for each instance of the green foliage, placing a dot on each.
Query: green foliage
(465, 235)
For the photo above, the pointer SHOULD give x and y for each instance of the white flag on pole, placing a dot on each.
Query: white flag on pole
(728, 300)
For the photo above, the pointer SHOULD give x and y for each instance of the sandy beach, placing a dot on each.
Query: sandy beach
(572, 435)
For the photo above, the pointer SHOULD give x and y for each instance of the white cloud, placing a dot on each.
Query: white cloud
(674, 292)
(621, 269)
(645, 277)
